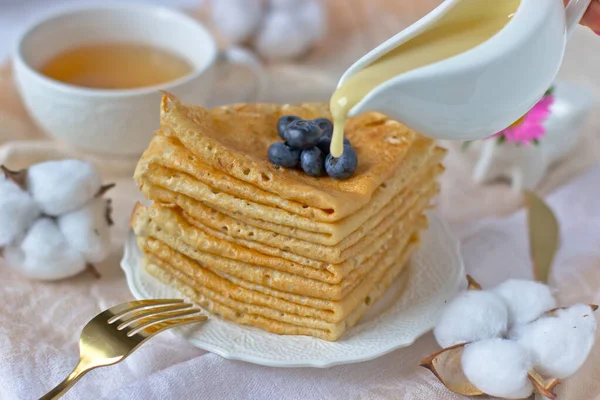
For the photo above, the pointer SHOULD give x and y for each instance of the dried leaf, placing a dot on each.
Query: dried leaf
(105, 188)
(108, 213)
(89, 268)
(541, 386)
(473, 285)
(543, 235)
(18, 177)
(447, 367)
(552, 313)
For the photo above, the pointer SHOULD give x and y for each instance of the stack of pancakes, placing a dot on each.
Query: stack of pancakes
(272, 247)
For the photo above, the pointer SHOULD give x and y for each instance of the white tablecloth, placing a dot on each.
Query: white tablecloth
(169, 368)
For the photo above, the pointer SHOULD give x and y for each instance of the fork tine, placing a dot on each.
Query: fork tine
(119, 310)
(158, 326)
(137, 315)
(147, 317)
(158, 318)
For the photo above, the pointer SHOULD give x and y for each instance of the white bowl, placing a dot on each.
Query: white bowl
(110, 121)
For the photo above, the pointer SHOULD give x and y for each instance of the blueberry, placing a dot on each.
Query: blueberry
(343, 167)
(302, 134)
(283, 155)
(283, 122)
(325, 143)
(312, 161)
(325, 125)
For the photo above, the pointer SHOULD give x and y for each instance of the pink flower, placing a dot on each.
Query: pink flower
(529, 128)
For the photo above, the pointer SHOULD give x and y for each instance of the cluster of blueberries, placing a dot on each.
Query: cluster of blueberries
(306, 145)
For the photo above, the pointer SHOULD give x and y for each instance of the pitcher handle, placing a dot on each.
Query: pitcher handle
(574, 12)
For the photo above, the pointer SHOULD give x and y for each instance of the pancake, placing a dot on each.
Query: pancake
(234, 140)
(169, 226)
(319, 256)
(277, 220)
(268, 242)
(312, 302)
(201, 277)
(272, 247)
(327, 331)
(273, 274)
(213, 186)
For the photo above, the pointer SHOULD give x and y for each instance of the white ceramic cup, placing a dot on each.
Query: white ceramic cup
(118, 122)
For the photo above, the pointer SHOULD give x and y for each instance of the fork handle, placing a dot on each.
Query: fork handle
(62, 388)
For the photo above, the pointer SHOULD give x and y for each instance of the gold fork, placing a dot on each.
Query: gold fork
(115, 333)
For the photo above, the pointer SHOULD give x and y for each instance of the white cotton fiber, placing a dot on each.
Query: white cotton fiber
(525, 300)
(87, 230)
(559, 345)
(312, 16)
(498, 367)
(286, 4)
(237, 20)
(17, 211)
(473, 315)
(281, 37)
(44, 253)
(59, 187)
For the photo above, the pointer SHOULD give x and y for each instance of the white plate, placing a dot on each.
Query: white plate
(435, 274)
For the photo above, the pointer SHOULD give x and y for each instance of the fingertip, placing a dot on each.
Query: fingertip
(591, 19)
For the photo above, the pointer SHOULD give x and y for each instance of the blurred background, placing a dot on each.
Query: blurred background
(349, 29)
(300, 69)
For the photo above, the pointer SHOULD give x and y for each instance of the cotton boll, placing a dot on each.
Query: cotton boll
(237, 20)
(17, 211)
(498, 367)
(525, 300)
(87, 230)
(312, 17)
(473, 315)
(59, 187)
(287, 5)
(559, 345)
(281, 37)
(44, 253)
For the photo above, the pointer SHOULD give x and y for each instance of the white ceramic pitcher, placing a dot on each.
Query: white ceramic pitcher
(483, 90)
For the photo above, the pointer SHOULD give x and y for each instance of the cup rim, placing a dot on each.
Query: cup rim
(183, 18)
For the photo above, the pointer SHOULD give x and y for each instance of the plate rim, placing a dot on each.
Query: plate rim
(453, 286)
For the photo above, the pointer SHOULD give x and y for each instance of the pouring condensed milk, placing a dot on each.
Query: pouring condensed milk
(374, 83)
